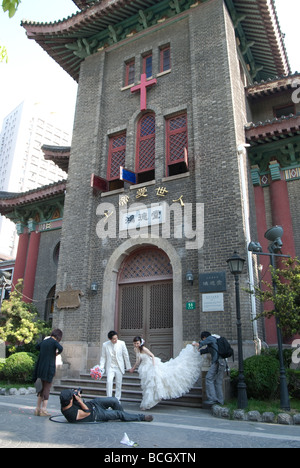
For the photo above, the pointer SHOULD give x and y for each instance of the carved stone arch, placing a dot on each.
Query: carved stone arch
(110, 287)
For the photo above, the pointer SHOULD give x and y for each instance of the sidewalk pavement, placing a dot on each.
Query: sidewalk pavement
(177, 428)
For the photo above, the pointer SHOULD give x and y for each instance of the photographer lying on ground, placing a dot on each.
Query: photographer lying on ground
(75, 410)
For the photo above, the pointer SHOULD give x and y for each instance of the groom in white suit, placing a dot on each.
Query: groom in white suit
(114, 358)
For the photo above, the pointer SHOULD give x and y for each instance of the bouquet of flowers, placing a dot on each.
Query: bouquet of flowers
(96, 373)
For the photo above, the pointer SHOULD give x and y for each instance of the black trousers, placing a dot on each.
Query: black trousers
(102, 413)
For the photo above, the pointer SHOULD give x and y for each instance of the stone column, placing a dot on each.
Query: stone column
(20, 264)
(32, 257)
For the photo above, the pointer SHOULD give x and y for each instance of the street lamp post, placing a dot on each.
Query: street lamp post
(274, 235)
(236, 265)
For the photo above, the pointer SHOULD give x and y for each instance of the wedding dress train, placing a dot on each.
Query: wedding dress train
(170, 379)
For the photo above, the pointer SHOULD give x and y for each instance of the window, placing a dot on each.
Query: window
(177, 145)
(116, 158)
(129, 73)
(165, 58)
(147, 65)
(145, 153)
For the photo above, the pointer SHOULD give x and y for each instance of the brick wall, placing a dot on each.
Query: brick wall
(46, 270)
(205, 82)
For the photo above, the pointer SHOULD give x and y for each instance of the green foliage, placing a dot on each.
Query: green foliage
(19, 322)
(10, 6)
(273, 406)
(2, 364)
(3, 54)
(293, 377)
(19, 367)
(286, 300)
(287, 355)
(261, 376)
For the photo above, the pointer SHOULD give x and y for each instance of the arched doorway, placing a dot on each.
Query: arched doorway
(145, 290)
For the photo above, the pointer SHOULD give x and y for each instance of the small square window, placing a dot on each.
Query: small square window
(129, 73)
(165, 58)
(147, 65)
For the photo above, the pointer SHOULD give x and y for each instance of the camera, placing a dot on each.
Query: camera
(76, 392)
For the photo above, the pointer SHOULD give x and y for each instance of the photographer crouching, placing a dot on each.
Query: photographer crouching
(76, 410)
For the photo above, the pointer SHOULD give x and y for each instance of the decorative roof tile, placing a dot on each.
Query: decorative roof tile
(273, 130)
(9, 201)
(71, 40)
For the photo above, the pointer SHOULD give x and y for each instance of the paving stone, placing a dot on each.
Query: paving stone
(284, 418)
(176, 429)
(268, 417)
(296, 419)
(254, 416)
(239, 415)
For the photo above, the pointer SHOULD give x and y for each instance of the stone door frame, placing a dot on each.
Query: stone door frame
(110, 287)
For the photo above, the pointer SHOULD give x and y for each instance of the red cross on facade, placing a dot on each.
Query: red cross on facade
(144, 84)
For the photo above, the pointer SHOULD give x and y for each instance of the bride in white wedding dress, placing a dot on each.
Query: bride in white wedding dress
(165, 380)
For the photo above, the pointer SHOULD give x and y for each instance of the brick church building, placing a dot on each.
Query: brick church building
(185, 147)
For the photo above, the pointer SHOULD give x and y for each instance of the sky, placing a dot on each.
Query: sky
(31, 72)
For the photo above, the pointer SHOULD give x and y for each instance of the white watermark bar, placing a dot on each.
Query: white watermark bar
(153, 221)
(296, 353)
(296, 93)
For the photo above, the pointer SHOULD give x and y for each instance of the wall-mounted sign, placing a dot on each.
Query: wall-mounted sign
(68, 299)
(213, 302)
(212, 282)
(190, 305)
(143, 216)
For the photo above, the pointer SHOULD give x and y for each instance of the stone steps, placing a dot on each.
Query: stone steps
(131, 390)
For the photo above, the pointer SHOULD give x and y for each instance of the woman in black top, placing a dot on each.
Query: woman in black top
(75, 410)
(45, 369)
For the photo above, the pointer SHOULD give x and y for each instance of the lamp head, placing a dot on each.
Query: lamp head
(254, 247)
(189, 277)
(274, 235)
(94, 287)
(236, 264)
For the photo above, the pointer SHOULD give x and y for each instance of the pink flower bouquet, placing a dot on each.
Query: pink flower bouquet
(96, 373)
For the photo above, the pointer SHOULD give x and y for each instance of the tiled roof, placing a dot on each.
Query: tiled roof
(72, 39)
(82, 4)
(272, 86)
(262, 40)
(9, 201)
(273, 130)
(60, 155)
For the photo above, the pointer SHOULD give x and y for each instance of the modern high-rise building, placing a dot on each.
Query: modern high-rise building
(22, 163)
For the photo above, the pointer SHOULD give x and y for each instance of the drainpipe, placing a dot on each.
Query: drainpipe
(242, 153)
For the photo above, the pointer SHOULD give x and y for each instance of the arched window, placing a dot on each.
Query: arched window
(145, 151)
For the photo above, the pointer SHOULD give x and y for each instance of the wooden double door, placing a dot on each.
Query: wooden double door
(146, 310)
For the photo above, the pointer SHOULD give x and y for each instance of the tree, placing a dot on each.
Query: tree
(19, 322)
(11, 6)
(285, 296)
(3, 54)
